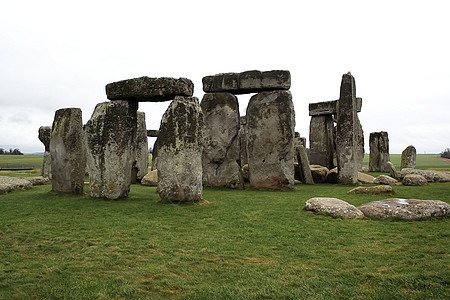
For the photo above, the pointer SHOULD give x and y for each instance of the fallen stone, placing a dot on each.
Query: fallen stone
(247, 82)
(372, 190)
(151, 178)
(430, 175)
(9, 184)
(333, 207)
(365, 178)
(319, 173)
(384, 179)
(149, 89)
(408, 209)
(332, 176)
(38, 180)
(414, 180)
(408, 158)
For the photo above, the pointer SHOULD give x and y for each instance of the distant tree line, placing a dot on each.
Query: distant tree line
(11, 152)
(446, 153)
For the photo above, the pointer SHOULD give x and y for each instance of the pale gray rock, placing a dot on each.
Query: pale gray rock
(270, 125)
(44, 135)
(414, 180)
(10, 184)
(379, 152)
(365, 178)
(322, 141)
(430, 175)
(140, 163)
(319, 173)
(221, 149)
(334, 207)
(304, 169)
(243, 141)
(408, 209)
(46, 170)
(392, 170)
(38, 180)
(384, 179)
(150, 179)
(408, 158)
(372, 190)
(180, 151)
(110, 143)
(67, 151)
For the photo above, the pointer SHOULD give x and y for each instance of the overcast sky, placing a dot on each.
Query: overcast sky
(59, 54)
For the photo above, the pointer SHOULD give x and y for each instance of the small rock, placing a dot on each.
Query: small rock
(365, 178)
(150, 179)
(38, 180)
(374, 190)
(332, 176)
(333, 207)
(9, 184)
(384, 179)
(414, 180)
(319, 173)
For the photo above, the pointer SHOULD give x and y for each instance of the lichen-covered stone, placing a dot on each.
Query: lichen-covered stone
(9, 184)
(150, 179)
(334, 207)
(67, 151)
(243, 141)
(44, 135)
(221, 149)
(270, 125)
(110, 138)
(384, 179)
(430, 175)
(149, 89)
(414, 180)
(180, 146)
(304, 169)
(140, 164)
(372, 190)
(322, 141)
(247, 82)
(408, 158)
(359, 144)
(379, 152)
(365, 178)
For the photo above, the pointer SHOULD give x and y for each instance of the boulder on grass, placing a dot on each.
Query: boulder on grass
(384, 179)
(373, 190)
(430, 175)
(9, 184)
(334, 207)
(150, 179)
(414, 180)
(365, 178)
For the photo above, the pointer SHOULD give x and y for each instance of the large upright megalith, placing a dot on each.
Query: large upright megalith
(270, 125)
(140, 163)
(346, 133)
(67, 151)
(322, 140)
(220, 158)
(180, 146)
(408, 157)
(379, 152)
(44, 135)
(110, 136)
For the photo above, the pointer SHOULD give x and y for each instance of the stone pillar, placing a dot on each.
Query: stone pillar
(346, 132)
(221, 150)
(110, 141)
(305, 175)
(45, 133)
(379, 152)
(67, 151)
(321, 141)
(180, 146)
(359, 144)
(270, 125)
(243, 141)
(140, 164)
(408, 158)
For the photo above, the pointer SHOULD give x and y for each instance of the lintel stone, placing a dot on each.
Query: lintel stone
(329, 107)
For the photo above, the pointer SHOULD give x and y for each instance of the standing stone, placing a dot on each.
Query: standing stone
(67, 151)
(270, 125)
(45, 133)
(359, 144)
(408, 158)
(379, 152)
(346, 132)
(243, 141)
(110, 140)
(221, 150)
(180, 146)
(304, 170)
(322, 141)
(140, 163)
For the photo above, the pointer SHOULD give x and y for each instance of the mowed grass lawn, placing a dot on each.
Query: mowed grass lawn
(242, 245)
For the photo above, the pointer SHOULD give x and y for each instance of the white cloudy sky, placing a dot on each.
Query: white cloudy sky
(57, 54)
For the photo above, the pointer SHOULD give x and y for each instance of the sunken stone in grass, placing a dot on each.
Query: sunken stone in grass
(372, 190)
(334, 207)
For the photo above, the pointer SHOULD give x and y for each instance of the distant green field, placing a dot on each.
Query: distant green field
(423, 161)
(21, 161)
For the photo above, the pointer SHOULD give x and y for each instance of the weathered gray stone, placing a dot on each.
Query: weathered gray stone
(180, 151)
(322, 141)
(334, 207)
(46, 170)
(392, 170)
(430, 175)
(332, 176)
(152, 133)
(9, 184)
(150, 179)
(304, 170)
(414, 180)
(45, 133)
(140, 163)
(408, 158)
(149, 89)
(110, 140)
(67, 151)
(245, 173)
(247, 82)
(221, 149)
(243, 141)
(346, 134)
(270, 125)
(319, 173)
(384, 179)
(379, 152)
(359, 144)
(408, 209)
(155, 156)
(372, 190)
(329, 107)
(37, 180)
(365, 178)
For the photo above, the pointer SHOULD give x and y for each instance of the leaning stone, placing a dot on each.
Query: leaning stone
(414, 179)
(333, 207)
(332, 176)
(379, 152)
(304, 169)
(180, 151)
(319, 173)
(408, 209)
(150, 179)
(140, 163)
(392, 170)
(149, 89)
(9, 184)
(365, 178)
(67, 151)
(384, 179)
(372, 190)
(430, 175)
(270, 125)
(247, 82)
(408, 158)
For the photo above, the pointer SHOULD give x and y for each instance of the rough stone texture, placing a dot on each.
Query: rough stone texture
(346, 133)
(365, 178)
(67, 151)
(332, 176)
(408, 158)
(379, 152)
(430, 175)
(38, 180)
(247, 82)
(46, 170)
(140, 163)
(245, 173)
(304, 170)
(221, 149)
(319, 173)
(392, 170)
(149, 89)
(414, 180)
(329, 107)
(44, 135)
(270, 125)
(150, 179)
(322, 141)
(152, 133)
(243, 141)
(359, 144)
(334, 207)
(110, 140)
(155, 155)
(408, 209)
(372, 190)
(9, 184)
(180, 151)
(384, 179)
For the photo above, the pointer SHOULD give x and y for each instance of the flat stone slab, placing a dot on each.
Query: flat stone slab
(148, 89)
(329, 107)
(408, 209)
(9, 184)
(372, 190)
(247, 82)
(334, 207)
(365, 178)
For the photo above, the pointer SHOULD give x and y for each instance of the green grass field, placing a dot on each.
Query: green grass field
(21, 161)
